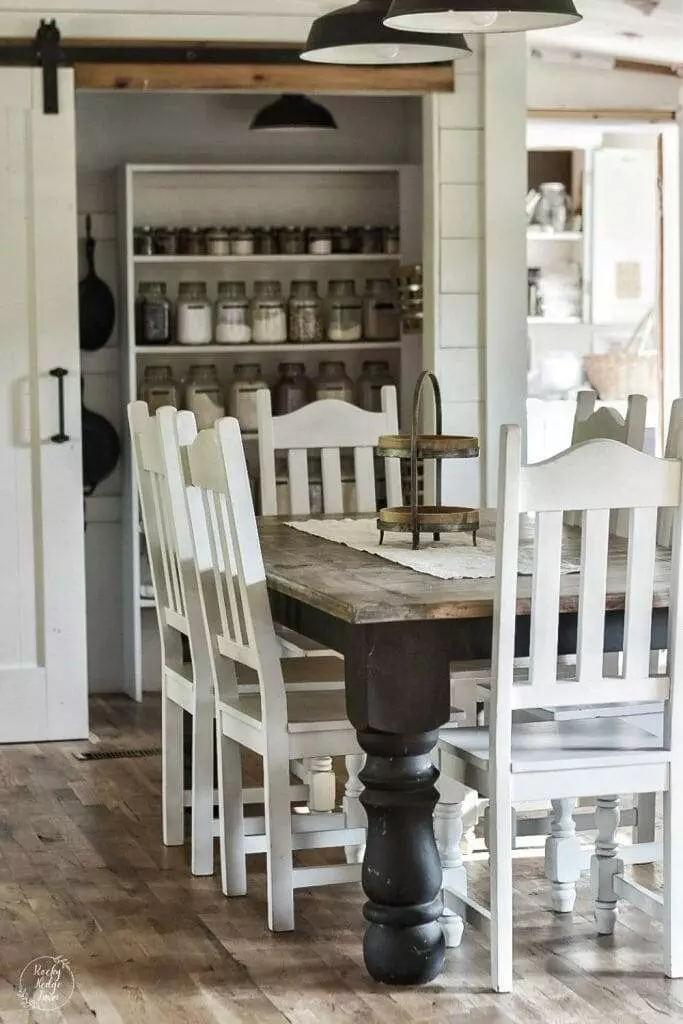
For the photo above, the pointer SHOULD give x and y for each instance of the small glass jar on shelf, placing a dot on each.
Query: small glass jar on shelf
(153, 314)
(370, 240)
(265, 242)
(344, 312)
(218, 242)
(306, 319)
(192, 241)
(376, 375)
(247, 381)
(391, 241)
(143, 241)
(233, 325)
(381, 317)
(166, 241)
(194, 314)
(158, 388)
(204, 395)
(332, 382)
(268, 314)
(292, 241)
(320, 241)
(292, 388)
(242, 242)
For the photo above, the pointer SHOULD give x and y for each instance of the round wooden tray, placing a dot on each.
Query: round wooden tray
(429, 519)
(429, 446)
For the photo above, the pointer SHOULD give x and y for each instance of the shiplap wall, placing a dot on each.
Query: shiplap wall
(113, 129)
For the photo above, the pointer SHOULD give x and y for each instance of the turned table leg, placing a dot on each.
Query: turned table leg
(404, 943)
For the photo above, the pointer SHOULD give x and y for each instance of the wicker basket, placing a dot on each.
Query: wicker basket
(618, 374)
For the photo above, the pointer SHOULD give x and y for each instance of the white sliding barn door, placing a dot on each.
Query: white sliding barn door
(43, 667)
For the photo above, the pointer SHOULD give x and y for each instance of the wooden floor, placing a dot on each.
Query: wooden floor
(83, 874)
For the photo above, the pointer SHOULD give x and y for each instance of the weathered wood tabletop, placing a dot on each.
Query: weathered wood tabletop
(399, 631)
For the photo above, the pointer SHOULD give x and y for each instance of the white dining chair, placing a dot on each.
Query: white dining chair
(327, 427)
(672, 450)
(277, 724)
(509, 762)
(185, 687)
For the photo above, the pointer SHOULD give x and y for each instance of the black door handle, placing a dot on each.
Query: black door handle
(60, 373)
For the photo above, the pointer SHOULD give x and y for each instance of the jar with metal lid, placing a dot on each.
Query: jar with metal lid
(370, 240)
(204, 395)
(306, 319)
(158, 388)
(381, 319)
(268, 313)
(292, 388)
(153, 314)
(166, 241)
(265, 242)
(376, 375)
(232, 314)
(217, 242)
(343, 240)
(143, 241)
(242, 242)
(320, 241)
(192, 241)
(292, 241)
(194, 314)
(344, 312)
(248, 380)
(332, 382)
(391, 241)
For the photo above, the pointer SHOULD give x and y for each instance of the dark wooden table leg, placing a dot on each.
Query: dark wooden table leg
(404, 943)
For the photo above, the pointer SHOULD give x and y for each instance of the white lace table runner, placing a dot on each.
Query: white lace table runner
(454, 557)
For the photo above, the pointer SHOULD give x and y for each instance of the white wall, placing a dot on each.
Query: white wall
(560, 86)
(113, 129)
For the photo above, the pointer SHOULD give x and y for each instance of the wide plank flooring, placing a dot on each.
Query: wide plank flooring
(83, 873)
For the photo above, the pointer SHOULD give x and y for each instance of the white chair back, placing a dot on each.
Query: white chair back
(591, 423)
(593, 476)
(230, 570)
(326, 426)
(672, 450)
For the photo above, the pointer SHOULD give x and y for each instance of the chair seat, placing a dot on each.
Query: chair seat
(554, 746)
(307, 710)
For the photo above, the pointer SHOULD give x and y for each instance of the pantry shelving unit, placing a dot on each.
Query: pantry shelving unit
(257, 195)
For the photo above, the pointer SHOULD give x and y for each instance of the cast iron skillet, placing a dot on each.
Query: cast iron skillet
(101, 448)
(95, 301)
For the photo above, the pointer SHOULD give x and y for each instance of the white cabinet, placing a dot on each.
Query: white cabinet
(43, 673)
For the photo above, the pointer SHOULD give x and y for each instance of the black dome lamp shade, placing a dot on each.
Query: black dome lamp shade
(357, 35)
(479, 15)
(293, 112)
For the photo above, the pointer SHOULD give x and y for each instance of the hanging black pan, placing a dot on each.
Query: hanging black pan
(101, 448)
(95, 301)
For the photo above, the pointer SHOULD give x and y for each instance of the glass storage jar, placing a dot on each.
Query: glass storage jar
(233, 326)
(248, 380)
(265, 242)
(381, 318)
(391, 241)
(292, 241)
(553, 207)
(158, 388)
(192, 241)
(268, 313)
(306, 319)
(344, 312)
(194, 314)
(166, 241)
(343, 240)
(370, 240)
(320, 241)
(143, 241)
(292, 388)
(332, 382)
(242, 242)
(204, 395)
(218, 242)
(375, 376)
(153, 314)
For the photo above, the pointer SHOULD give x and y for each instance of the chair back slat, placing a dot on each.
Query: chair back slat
(591, 423)
(639, 591)
(590, 477)
(329, 427)
(590, 643)
(545, 598)
(673, 450)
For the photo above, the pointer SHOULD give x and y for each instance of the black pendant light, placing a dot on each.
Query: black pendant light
(293, 113)
(479, 15)
(357, 35)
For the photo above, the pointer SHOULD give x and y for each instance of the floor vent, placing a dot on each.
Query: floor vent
(115, 755)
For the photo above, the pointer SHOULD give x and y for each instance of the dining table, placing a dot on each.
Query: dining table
(399, 632)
